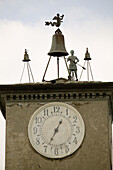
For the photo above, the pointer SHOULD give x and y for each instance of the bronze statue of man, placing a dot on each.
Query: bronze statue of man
(73, 64)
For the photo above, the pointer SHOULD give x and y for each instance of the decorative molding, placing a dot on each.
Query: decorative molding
(53, 96)
(48, 92)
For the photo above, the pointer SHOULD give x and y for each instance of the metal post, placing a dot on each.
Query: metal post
(82, 70)
(88, 70)
(91, 72)
(66, 64)
(58, 66)
(31, 72)
(22, 73)
(46, 69)
(28, 72)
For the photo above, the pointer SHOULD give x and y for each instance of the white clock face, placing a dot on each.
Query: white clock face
(56, 130)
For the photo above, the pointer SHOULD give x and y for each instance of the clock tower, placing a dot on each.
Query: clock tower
(59, 124)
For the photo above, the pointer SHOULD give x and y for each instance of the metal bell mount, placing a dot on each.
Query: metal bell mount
(58, 44)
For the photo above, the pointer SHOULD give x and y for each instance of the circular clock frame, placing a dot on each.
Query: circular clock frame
(56, 130)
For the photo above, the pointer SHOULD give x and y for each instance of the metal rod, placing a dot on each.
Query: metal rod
(91, 72)
(88, 70)
(81, 66)
(82, 70)
(28, 72)
(31, 72)
(58, 66)
(22, 72)
(46, 68)
(66, 64)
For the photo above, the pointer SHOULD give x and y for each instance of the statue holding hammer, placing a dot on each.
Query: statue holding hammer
(73, 64)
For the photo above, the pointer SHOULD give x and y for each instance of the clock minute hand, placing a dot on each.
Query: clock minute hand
(56, 130)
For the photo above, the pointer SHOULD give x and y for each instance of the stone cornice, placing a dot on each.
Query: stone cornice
(55, 91)
(46, 87)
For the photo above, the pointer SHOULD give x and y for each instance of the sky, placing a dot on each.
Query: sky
(86, 24)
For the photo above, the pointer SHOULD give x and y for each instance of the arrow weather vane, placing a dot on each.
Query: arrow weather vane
(58, 19)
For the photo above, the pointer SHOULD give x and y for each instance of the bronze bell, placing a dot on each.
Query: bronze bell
(87, 55)
(58, 45)
(26, 57)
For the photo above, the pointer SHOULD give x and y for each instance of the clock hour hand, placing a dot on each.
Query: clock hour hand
(55, 130)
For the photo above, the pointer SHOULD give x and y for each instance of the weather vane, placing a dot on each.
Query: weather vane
(58, 22)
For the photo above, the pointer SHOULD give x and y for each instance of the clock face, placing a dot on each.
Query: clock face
(56, 130)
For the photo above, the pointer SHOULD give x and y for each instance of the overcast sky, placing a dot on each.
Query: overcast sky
(22, 26)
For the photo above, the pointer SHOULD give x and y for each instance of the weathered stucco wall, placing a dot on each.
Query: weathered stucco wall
(94, 153)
